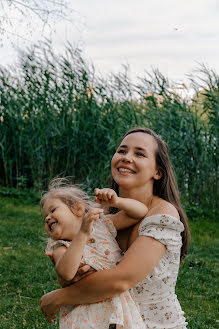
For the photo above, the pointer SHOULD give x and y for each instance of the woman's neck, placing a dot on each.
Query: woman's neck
(141, 194)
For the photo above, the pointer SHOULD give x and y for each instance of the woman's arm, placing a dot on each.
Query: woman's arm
(133, 268)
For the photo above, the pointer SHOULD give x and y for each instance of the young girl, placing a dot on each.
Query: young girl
(78, 234)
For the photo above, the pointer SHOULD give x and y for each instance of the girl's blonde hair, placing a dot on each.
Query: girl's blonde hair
(68, 193)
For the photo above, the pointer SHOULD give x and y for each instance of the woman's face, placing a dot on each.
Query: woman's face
(133, 165)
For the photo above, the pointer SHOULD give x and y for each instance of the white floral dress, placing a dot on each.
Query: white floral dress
(101, 252)
(156, 296)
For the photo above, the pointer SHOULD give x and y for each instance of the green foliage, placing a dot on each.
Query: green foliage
(26, 273)
(57, 117)
(28, 196)
(198, 276)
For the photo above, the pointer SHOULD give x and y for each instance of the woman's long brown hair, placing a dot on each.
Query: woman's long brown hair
(166, 187)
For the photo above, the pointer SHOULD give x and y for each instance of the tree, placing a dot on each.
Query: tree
(21, 18)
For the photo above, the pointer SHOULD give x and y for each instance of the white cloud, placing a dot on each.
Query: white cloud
(170, 35)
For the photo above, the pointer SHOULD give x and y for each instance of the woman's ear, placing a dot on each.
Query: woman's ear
(78, 209)
(158, 174)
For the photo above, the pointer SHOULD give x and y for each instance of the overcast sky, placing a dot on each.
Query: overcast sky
(173, 36)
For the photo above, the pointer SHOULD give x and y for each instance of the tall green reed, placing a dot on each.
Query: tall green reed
(58, 117)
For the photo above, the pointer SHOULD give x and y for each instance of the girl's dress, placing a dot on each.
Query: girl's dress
(101, 252)
(159, 306)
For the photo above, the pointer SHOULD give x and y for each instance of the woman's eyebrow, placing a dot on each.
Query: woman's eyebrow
(136, 148)
(141, 149)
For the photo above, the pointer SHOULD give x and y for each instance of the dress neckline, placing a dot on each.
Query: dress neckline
(155, 215)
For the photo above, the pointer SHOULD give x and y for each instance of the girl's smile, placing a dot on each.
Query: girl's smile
(52, 225)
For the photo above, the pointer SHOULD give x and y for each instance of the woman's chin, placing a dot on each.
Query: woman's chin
(125, 184)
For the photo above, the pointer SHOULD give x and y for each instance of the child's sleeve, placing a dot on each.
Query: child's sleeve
(53, 244)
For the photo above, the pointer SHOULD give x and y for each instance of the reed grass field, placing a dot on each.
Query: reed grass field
(59, 118)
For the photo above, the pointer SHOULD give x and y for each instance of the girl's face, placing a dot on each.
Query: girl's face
(60, 220)
(133, 165)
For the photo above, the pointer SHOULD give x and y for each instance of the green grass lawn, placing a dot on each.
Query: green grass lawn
(26, 274)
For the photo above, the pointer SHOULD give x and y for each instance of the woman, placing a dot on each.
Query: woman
(141, 170)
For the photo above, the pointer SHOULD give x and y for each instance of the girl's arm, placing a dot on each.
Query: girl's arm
(133, 268)
(131, 210)
(67, 261)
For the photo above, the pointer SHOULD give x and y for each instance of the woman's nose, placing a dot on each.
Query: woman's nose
(127, 157)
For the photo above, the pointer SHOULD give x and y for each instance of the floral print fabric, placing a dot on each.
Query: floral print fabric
(101, 252)
(156, 296)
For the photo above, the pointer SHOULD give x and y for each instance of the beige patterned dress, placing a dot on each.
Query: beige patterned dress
(101, 252)
(159, 306)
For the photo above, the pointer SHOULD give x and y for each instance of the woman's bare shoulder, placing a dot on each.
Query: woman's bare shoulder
(161, 206)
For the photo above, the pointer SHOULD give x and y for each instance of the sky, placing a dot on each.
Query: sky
(172, 36)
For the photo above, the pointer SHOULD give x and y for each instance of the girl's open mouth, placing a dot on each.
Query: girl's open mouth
(52, 225)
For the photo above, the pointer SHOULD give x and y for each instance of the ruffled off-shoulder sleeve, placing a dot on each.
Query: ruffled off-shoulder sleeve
(53, 244)
(164, 228)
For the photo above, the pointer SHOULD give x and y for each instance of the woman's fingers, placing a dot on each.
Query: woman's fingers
(63, 283)
(78, 278)
(51, 318)
(48, 306)
(85, 268)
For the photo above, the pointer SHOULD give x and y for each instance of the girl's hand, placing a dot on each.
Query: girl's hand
(92, 215)
(106, 197)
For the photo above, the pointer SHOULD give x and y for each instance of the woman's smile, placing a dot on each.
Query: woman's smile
(124, 170)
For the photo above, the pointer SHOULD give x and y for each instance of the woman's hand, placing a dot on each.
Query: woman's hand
(49, 302)
(106, 197)
(83, 271)
(49, 307)
(64, 283)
